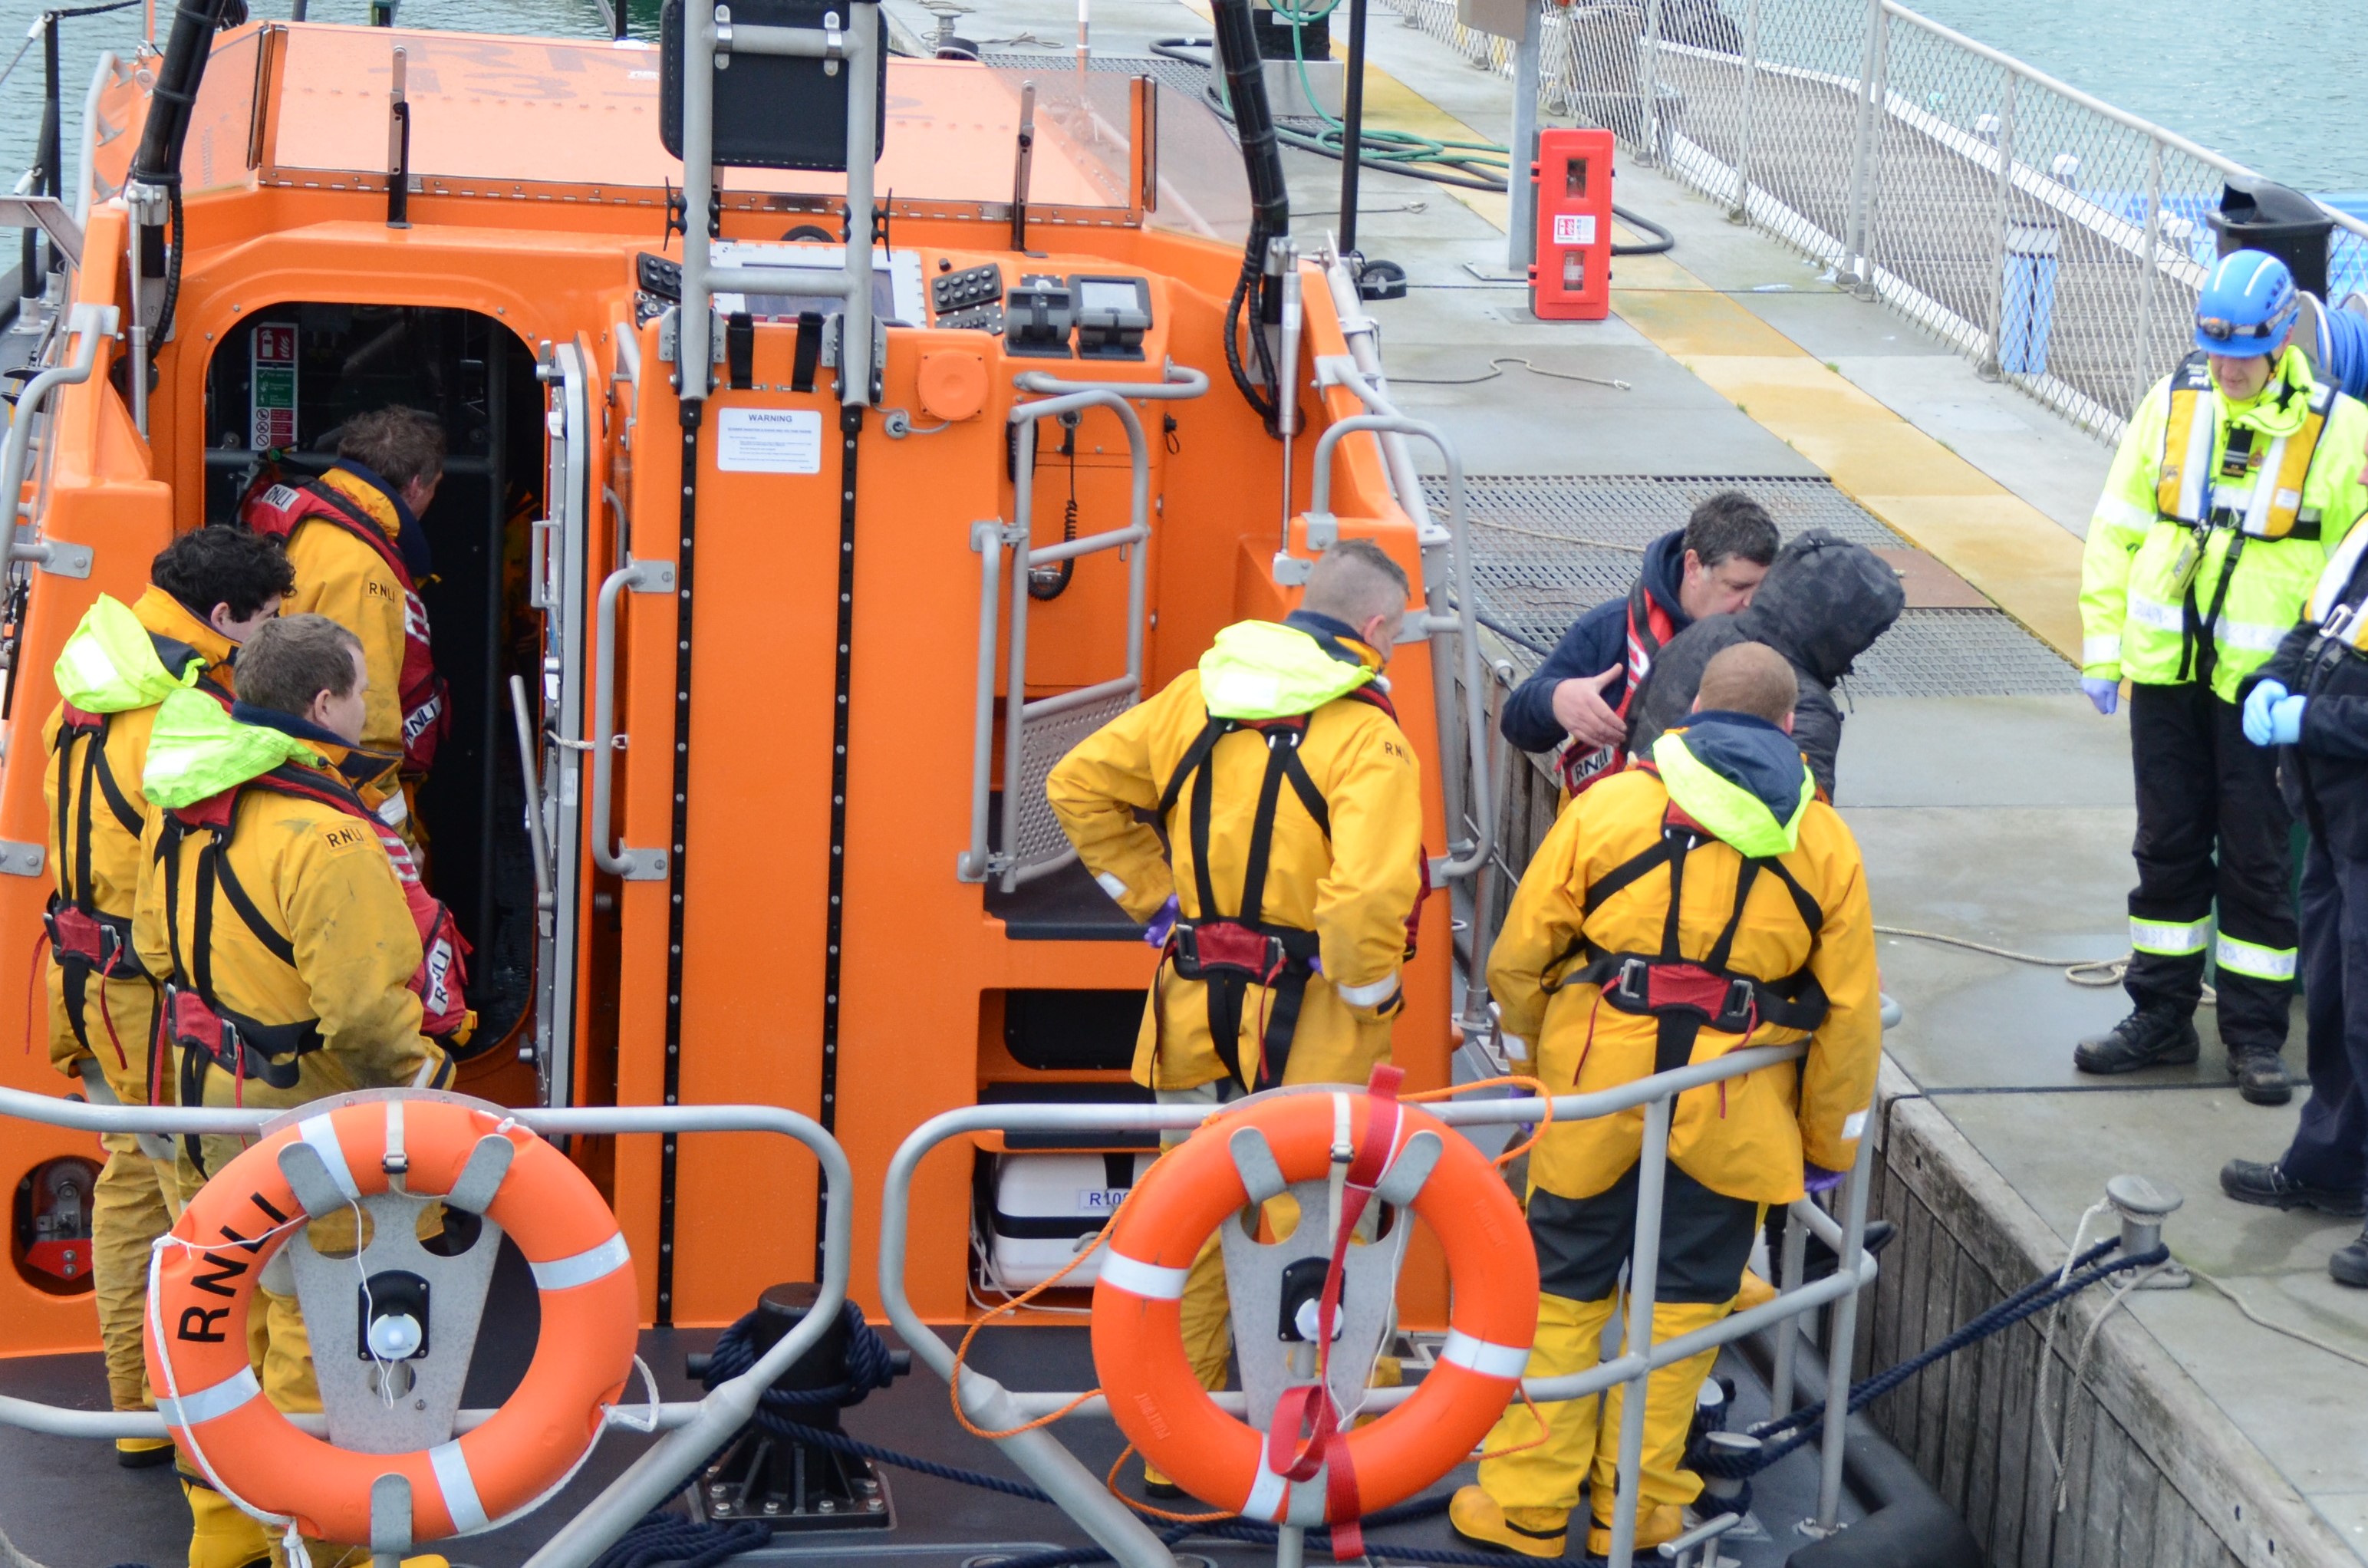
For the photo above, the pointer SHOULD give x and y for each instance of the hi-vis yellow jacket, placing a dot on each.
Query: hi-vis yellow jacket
(114, 669)
(1747, 1137)
(2298, 499)
(322, 885)
(1354, 887)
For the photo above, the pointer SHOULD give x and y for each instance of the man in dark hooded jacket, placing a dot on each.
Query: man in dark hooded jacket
(1576, 704)
(1823, 603)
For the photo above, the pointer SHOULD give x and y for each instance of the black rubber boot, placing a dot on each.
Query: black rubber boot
(2267, 1183)
(2154, 1037)
(2262, 1076)
(2349, 1264)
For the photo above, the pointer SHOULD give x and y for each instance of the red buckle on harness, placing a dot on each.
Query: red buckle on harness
(197, 1026)
(1663, 987)
(75, 934)
(1228, 944)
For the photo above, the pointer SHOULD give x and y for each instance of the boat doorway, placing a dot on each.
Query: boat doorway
(278, 391)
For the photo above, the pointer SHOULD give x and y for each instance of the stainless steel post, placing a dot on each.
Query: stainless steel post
(1990, 370)
(1842, 1344)
(2149, 272)
(1854, 218)
(1741, 212)
(1878, 114)
(1520, 189)
(1643, 1280)
(863, 65)
(1648, 115)
(1788, 1334)
(695, 314)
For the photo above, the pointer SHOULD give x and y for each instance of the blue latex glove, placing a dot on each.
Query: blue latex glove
(1816, 1178)
(2285, 720)
(1163, 921)
(2106, 694)
(2257, 709)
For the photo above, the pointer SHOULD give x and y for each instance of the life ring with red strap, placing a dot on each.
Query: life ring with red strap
(202, 1285)
(1307, 1469)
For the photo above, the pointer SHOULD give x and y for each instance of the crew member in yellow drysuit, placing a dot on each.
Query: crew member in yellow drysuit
(208, 591)
(1293, 809)
(1724, 819)
(337, 1012)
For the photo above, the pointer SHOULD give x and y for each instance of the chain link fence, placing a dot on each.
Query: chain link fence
(2055, 241)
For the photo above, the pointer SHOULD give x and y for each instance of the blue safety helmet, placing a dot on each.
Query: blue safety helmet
(2247, 306)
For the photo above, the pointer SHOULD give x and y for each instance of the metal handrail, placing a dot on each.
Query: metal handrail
(694, 1431)
(1052, 1467)
(1460, 620)
(94, 323)
(641, 577)
(990, 538)
(86, 169)
(858, 46)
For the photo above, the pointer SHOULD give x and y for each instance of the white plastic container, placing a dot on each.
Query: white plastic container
(1047, 1207)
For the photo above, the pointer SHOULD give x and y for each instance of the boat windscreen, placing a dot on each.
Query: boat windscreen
(1202, 187)
(548, 111)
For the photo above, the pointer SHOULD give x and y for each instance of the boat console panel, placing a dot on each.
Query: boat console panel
(1037, 316)
(1112, 315)
(971, 300)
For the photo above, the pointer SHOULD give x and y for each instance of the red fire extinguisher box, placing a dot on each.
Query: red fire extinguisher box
(1571, 280)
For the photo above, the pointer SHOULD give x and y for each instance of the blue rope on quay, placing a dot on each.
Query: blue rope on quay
(2030, 1301)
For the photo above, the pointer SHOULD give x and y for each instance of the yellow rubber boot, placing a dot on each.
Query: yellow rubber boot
(221, 1536)
(1664, 1486)
(1537, 1474)
(1532, 1532)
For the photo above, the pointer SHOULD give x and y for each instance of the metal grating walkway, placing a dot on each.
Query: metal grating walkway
(1550, 548)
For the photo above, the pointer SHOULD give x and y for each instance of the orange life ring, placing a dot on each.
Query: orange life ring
(201, 1289)
(1139, 1348)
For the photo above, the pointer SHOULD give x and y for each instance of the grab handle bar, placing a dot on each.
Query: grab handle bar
(640, 577)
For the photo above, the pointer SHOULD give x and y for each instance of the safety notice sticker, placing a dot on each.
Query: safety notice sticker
(1573, 228)
(271, 405)
(768, 440)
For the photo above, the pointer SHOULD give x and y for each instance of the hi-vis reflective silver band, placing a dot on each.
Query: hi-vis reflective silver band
(2252, 959)
(460, 1488)
(598, 1263)
(207, 1404)
(2173, 938)
(1367, 995)
(322, 1134)
(2100, 649)
(2337, 576)
(1147, 1280)
(1480, 1356)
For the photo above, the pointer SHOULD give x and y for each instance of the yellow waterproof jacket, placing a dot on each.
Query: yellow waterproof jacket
(1747, 1137)
(114, 669)
(341, 577)
(1354, 887)
(2139, 564)
(320, 882)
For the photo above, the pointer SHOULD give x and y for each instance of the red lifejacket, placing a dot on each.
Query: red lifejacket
(1649, 627)
(278, 511)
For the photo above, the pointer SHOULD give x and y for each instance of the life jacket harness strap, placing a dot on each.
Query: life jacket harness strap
(1230, 953)
(1684, 995)
(193, 1017)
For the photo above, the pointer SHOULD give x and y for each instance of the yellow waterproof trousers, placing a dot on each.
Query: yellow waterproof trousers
(136, 1200)
(1581, 1441)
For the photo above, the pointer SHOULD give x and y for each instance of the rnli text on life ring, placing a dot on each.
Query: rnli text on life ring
(1139, 1349)
(205, 1287)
